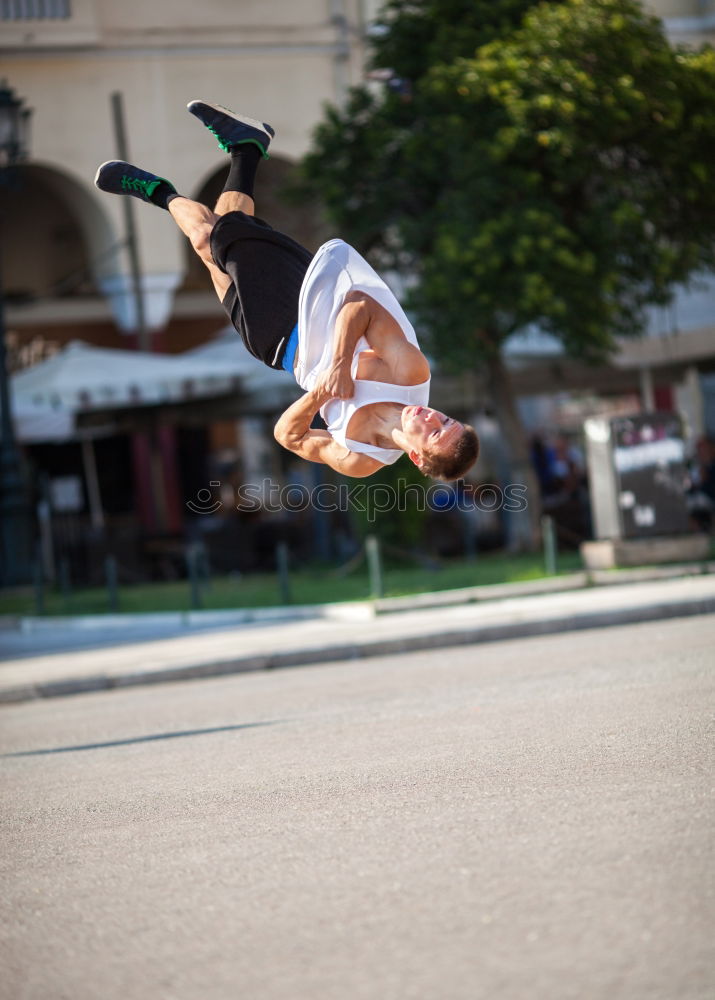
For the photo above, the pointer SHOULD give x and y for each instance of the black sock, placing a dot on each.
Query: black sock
(163, 194)
(244, 164)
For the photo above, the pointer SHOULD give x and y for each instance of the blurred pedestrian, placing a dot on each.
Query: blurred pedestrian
(700, 496)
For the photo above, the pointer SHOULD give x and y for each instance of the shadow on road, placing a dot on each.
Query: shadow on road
(142, 739)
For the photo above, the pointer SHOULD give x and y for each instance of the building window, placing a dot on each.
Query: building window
(34, 10)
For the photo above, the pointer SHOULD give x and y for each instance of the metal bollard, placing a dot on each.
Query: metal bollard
(192, 568)
(39, 585)
(548, 534)
(204, 566)
(374, 562)
(283, 575)
(65, 582)
(111, 575)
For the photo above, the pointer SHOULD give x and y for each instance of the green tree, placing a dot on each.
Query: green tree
(544, 164)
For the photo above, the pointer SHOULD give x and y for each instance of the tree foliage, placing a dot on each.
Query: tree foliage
(548, 164)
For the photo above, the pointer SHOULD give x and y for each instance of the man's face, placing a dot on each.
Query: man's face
(428, 430)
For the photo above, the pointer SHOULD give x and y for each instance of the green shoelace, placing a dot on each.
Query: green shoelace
(221, 143)
(146, 188)
(227, 149)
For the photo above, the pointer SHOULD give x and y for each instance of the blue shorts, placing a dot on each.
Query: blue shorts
(291, 350)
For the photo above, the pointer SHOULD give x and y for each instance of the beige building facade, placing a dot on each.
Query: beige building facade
(688, 22)
(63, 258)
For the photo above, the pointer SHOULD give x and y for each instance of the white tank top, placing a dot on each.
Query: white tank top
(336, 270)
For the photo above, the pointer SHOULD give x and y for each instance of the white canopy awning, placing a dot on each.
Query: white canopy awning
(34, 423)
(265, 389)
(227, 350)
(81, 378)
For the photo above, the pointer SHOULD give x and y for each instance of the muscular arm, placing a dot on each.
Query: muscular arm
(293, 431)
(366, 317)
(350, 325)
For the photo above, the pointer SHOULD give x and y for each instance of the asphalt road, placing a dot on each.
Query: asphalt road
(526, 819)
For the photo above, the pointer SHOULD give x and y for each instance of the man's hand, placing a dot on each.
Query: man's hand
(337, 381)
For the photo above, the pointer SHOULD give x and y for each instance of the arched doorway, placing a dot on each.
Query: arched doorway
(57, 243)
(304, 222)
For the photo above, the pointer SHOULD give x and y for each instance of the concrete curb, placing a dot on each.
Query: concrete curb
(357, 650)
(546, 585)
(345, 611)
(355, 611)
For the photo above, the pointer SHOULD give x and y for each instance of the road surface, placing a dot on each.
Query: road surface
(523, 819)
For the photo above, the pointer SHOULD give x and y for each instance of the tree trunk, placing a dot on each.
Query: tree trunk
(523, 527)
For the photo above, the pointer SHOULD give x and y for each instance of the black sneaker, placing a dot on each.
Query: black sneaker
(118, 177)
(231, 129)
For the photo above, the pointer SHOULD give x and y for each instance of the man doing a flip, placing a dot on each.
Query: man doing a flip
(330, 320)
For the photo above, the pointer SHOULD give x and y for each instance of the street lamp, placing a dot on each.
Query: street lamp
(15, 534)
(14, 127)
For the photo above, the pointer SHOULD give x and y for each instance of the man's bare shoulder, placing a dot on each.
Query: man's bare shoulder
(352, 463)
(349, 463)
(357, 295)
(320, 446)
(357, 302)
(396, 359)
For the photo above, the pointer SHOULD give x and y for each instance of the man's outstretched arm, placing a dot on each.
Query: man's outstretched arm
(294, 432)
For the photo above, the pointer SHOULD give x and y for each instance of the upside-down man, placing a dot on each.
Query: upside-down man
(329, 319)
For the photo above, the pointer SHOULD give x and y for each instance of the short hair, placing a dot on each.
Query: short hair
(457, 461)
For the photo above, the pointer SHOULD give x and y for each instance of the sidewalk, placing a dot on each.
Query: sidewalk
(52, 658)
